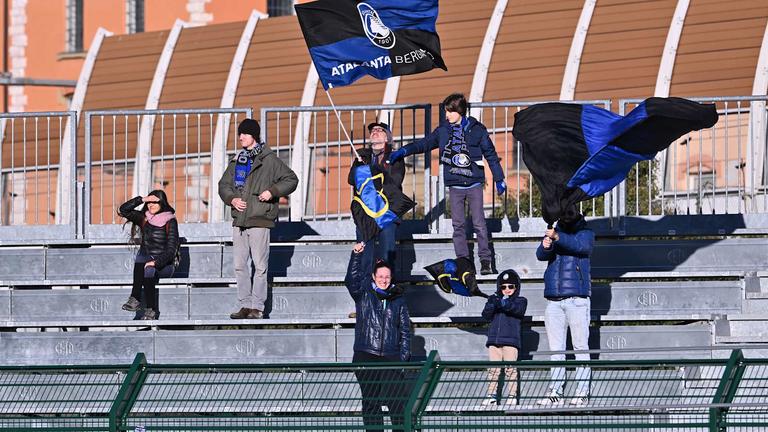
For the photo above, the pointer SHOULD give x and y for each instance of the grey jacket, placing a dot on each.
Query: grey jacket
(268, 172)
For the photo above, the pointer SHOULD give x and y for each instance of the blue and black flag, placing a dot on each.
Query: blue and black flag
(376, 205)
(348, 39)
(456, 276)
(578, 152)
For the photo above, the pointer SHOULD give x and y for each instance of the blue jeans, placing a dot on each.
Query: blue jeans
(573, 312)
(383, 244)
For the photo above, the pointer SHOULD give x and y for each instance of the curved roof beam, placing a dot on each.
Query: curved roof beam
(66, 175)
(667, 65)
(221, 136)
(301, 153)
(571, 74)
(486, 53)
(664, 76)
(143, 166)
(757, 119)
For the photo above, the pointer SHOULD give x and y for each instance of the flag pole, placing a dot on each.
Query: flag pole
(341, 123)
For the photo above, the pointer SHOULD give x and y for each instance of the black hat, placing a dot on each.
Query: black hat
(379, 124)
(250, 127)
(508, 277)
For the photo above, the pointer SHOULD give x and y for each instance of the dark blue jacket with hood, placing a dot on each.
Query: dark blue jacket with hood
(505, 315)
(568, 265)
(479, 145)
(383, 325)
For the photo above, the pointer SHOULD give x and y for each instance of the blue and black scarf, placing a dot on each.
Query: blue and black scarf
(456, 153)
(244, 164)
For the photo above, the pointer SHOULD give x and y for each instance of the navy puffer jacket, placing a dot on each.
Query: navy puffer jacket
(505, 317)
(568, 268)
(383, 325)
(479, 145)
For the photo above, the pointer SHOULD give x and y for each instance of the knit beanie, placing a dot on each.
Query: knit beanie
(250, 127)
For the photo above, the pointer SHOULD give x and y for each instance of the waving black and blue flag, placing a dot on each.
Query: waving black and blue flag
(349, 39)
(456, 276)
(578, 152)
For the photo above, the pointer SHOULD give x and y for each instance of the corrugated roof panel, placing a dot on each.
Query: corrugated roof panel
(714, 29)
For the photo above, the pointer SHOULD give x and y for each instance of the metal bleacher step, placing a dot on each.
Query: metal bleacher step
(331, 304)
(266, 345)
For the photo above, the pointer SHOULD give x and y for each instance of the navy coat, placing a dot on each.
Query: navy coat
(383, 325)
(568, 271)
(505, 317)
(479, 145)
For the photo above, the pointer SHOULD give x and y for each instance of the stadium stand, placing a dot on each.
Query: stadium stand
(672, 282)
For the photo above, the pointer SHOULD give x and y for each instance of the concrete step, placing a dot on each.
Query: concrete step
(742, 328)
(323, 345)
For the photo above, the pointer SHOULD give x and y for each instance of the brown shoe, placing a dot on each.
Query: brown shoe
(352, 315)
(241, 314)
(255, 314)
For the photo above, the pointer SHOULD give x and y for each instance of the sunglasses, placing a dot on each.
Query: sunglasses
(508, 286)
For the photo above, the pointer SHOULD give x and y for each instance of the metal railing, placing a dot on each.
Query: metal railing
(37, 151)
(681, 395)
(184, 151)
(312, 141)
(720, 170)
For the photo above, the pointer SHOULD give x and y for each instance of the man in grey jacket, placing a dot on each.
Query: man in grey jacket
(252, 185)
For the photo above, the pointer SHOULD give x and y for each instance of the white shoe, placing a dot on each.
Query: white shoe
(553, 398)
(511, 401)
(580, 400)
(489, 401)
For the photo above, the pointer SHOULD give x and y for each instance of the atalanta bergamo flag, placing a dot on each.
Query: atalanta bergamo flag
(578, 152)
(376, 205)
(348, 39)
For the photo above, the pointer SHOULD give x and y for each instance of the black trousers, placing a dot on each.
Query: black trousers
(381, 387)
(148, 283)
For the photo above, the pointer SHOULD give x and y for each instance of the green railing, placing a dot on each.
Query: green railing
(660, 395)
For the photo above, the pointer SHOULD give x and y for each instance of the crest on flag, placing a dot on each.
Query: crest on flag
(377, 32)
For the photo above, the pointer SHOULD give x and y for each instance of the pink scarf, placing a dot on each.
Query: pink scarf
(160, 219)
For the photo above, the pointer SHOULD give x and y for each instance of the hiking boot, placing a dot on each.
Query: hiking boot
(352, 315)
(132, 305)
(241, 314)
(149, 314)
(485, 268)
(553, 398)
(255, 314)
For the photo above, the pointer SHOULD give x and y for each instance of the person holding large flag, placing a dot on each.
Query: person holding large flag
(375, 156)
(463, 143)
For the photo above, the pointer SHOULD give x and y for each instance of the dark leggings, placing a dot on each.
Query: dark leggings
(149, 284)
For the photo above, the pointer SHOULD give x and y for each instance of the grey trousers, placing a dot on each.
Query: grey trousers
(251, 243)
(474, 198)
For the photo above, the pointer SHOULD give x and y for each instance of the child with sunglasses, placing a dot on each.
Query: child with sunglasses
(505, 310)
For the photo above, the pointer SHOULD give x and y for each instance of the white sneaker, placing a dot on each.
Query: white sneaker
(580, 400)
(511, 401)
(553, 398)
(489, 401)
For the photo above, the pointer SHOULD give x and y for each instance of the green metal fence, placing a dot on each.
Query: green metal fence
(657, 395)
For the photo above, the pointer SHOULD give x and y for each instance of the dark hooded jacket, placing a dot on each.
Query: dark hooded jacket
(158, 243)
(505, 317)
(568, 271)
(479, 145)
(383, 326)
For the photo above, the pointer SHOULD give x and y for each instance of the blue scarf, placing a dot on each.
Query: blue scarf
(244, 164)
(456, 153)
